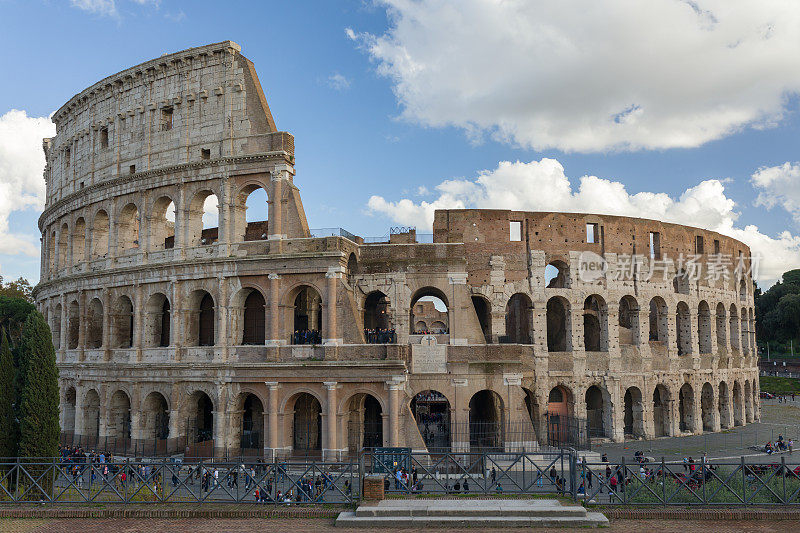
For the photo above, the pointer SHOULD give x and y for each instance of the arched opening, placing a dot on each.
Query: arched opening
(720, 322)
(56, 327)
(683, 329)
(201, 418)
(68, 422)
(157, 321)
(203, 219)
(486, 421)
(201, 319)
(595, 324)
(734, 328)
(628, 321)
(704, 327)
(94, 324)
(745, 334)
(661, 414)
(556, 275)
(738, 410)
(429, 306)
(91, 416)
(307, 424)
(352, 266)
(252, 437)
(63, 247)
(253, 323)
(560, 409)
(307, 316)
(707, 407)
(680, 283)
(748, 402)
(659, 321)
(252, 214)
(378, 320)
(724, 406)
(751, 322)
(79, 241)
(100, 235)
(742, 290)
(634, 413)
(162, 224)
(122, 323)
(52, 261)
(155, 417)
(128, 228)
(364, 423)
(73, 325)
(483, 310)
(519, 319)
(595, 412)
(686, 408)
(558, 325)
(431, 410)
(119, 419)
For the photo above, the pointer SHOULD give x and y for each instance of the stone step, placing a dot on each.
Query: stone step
(473, 508)
(349, 519)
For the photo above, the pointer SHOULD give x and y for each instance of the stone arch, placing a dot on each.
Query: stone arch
(432, 412)
(73, 325)
(56, 326)
(633, 417)
(201, 219)
(629, 321)
(704, 327)
(559, 325)
(157, 322)
(305, 307)
(680, 283)
(122, 322)
(742, 290)
(68, 420)
(519, 319)
(686, 408)
(154, 418)
(306, 417)
(100, 230)
(598, 411)
(119, 415)
(560, 412)
(748, 402)
(595, 324)
(429, 304)
(683, 329)
(483, 310)
(659, 321)
(661, 411)
(556, 275)
(201, 413)
(738, 408)
(202, 319)
(94, 324)
(721, 320)
(79, 240)
(248, 316)
(127, 227)
(63, 246)
(486, 421)
(734, 328)
(251, 213)
(364, 417)
(91, 415)
(377, 313)
(252, 433)
(724, 406)
(707, 406)
(162, 224)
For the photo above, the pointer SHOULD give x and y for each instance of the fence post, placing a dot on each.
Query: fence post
(16, 485)
(783, 475)
(703, 470)
(744, 481)
(663, 481)
(361, 473)
(53, 484)
(574, 475)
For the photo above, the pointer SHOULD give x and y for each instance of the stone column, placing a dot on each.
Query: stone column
(330, 450)
(180, 224)
(330, 335)
(106, 299)
(273, 313)
(175, 420)
(271, 421)
(726, 418)
(276, 206)
(64, 325)
(225, 223)
(220, 422)
(459, 418)
(176, 320)
(695, 337)
(82, 324)
(221, 335)
(394, 411)
(138, 321)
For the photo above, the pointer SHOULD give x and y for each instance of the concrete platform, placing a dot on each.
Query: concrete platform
(470, 513)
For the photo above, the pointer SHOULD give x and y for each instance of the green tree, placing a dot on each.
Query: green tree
(8, 425)
(13, 312)
(17, 289)
(38, 397)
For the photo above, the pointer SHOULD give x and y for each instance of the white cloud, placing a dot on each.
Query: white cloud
(779, 185)
(21, 183)
(588, 75)
(338, 82)
(519, 186)
(97, 7)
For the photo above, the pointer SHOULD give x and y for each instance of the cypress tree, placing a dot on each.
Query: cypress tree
(8, 429)
(39, 398)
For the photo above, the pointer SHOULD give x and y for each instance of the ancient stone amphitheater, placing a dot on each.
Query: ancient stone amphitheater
(184, 323)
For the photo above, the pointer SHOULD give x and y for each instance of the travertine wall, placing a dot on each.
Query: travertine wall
(153, 316)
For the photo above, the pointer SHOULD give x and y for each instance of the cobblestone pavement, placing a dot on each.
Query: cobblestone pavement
(318, 526)
(776, 419)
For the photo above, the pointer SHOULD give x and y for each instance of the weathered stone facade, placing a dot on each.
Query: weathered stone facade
(253, 334)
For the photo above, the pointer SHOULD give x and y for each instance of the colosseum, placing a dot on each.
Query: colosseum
(184, 322)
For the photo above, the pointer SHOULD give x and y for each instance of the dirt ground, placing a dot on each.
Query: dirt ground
(319, 526)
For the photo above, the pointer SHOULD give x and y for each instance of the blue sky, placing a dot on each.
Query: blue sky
(388, 100)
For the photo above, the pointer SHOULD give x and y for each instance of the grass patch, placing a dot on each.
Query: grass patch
(779, 385)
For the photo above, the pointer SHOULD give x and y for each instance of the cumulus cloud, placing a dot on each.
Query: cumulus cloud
(97, 7)
(779, 186)
(591, 76)
(519, 185)
(338, 82)
(21, 183)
